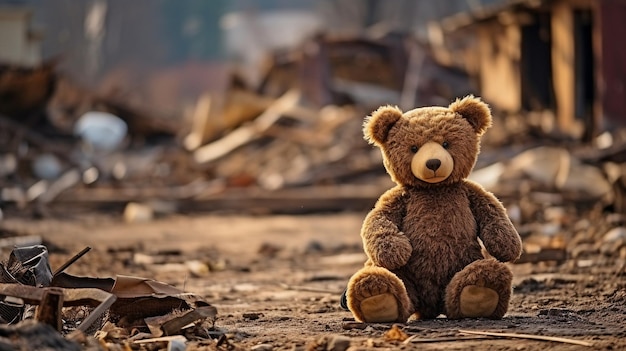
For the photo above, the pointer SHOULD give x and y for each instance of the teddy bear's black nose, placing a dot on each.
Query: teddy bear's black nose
(433, 164)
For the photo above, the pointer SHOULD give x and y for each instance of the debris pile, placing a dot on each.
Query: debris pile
(290, 131)
(124, 310)
(292, 143)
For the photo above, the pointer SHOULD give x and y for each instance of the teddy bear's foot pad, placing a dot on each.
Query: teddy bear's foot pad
(381, 308)
(478, 301)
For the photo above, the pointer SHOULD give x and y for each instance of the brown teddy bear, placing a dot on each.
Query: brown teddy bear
(422, 237)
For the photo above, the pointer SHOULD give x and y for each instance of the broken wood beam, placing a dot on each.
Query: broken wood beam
(291, 200)
(51, 299)
(71, 261)
(217, 198)
(49, 309)
(249, 132)
(71, 297)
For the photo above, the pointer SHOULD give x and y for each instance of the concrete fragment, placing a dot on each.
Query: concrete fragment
(136, 212)
(615, 234)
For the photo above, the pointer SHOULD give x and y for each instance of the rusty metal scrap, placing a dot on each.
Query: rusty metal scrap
(51, 298)
(50, 306)
(171, 324)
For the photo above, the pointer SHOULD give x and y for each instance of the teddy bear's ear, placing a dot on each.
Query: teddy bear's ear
(475, 111)
(377, 126)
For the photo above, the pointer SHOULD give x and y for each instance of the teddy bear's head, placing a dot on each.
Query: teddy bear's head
(429, 145)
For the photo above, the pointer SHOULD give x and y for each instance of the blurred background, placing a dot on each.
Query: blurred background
(148, 108)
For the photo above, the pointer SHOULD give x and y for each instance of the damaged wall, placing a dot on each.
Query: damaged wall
(556, 56)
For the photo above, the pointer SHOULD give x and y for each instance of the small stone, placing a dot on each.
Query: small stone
(395, 334)
(338, 343)
(47, 166)
(612, 247)
(314, 246)
(136, 212)
(614, 234)
(252, 316)
(354, 325)
(197, 268)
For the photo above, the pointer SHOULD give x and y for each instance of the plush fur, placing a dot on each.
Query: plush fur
(422, 237)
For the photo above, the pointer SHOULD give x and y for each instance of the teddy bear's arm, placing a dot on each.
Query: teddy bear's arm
(383, 240)
(494, 226)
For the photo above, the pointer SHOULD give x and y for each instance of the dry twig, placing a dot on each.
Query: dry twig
(71, 261)
(414, 339)
(528, 336)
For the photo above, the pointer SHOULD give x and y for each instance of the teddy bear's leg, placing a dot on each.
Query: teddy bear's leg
(482, 289)
(376, 295)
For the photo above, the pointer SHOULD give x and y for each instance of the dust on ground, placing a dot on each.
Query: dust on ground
(277, 280)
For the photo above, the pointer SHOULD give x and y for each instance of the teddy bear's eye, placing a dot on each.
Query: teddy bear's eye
(414, 149)
(445, 145)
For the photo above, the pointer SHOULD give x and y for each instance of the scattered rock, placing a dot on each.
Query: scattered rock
(354, 325)
(530, 285)
(136, 212)
(550, 169)
(395, 334)
(269, 249)
(47, 166)
(338, 343)
(101, 130)
(330, 343)
(8, 164)
(314, 246)
(252, 316)
(197, 268)
(614, 234)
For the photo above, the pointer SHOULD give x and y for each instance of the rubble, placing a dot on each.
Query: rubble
(26, 281)
(287, 138)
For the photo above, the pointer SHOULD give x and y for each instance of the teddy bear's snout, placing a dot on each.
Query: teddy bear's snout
(433, 164)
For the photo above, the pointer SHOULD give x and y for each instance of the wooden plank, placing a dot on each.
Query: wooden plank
(499, 48)
(216, 114)
(290, 201)
(248, 132)
(249, 200)
(562, 24)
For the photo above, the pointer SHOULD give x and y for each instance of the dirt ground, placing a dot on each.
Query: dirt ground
(277, 280)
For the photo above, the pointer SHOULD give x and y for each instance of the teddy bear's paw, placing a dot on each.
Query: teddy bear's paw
(381, 308)
(478, 301)
(481, 289)
(376, 295)
(395, 252)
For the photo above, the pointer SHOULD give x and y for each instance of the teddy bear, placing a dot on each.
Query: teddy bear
(436, 243)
